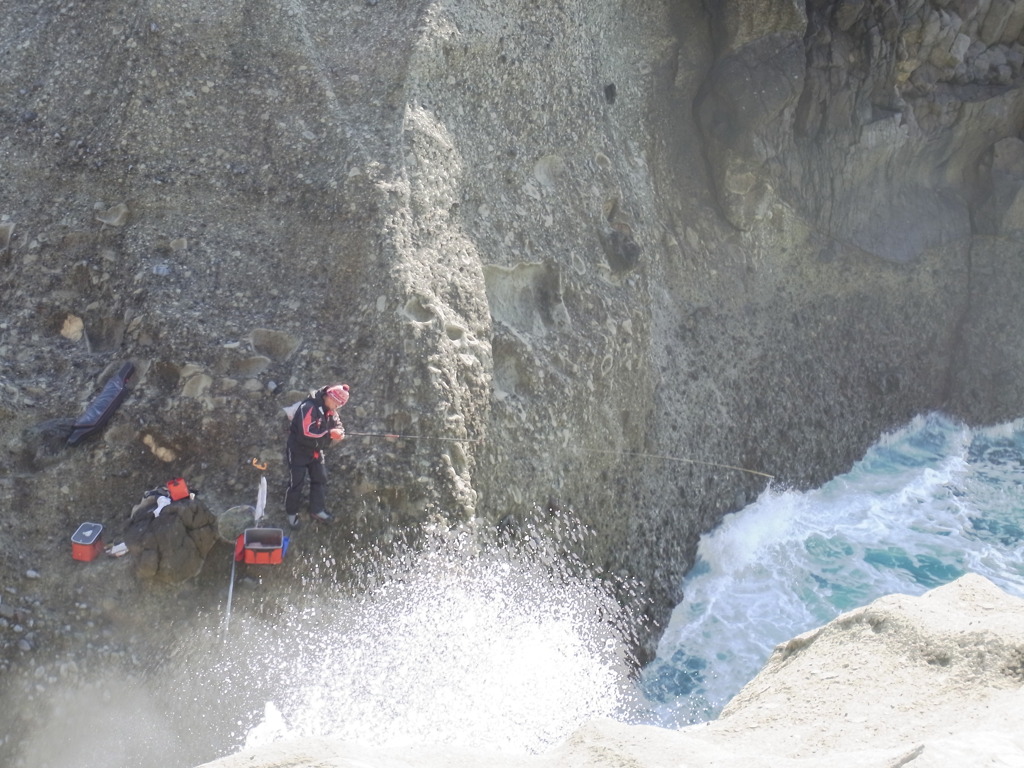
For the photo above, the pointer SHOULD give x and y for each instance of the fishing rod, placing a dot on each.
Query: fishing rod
(630, 454)
(392, 436)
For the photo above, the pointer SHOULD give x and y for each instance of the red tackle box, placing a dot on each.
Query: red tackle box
(87, 542)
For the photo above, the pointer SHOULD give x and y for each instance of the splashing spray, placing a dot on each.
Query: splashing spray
(470, 637)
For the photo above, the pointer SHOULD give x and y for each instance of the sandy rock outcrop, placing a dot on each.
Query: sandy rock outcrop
(935, 681)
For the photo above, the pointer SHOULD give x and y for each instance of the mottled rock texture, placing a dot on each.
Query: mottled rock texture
(580, 253)
(170, 546)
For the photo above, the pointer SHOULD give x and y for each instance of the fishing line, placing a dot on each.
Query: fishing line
(681, 459)
(390, 436)
(630, 454)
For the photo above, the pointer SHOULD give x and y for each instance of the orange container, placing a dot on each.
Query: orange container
(261, 546)
(177, 488)
(87, 542)
(255, 557)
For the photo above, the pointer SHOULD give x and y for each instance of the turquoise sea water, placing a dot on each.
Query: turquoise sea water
(926, 504)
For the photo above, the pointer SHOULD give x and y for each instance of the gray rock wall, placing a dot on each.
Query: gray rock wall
(629, 260)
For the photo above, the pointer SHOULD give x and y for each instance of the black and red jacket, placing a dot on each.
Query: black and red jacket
(310, 431)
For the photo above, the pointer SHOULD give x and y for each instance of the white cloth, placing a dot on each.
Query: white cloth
(161, 502)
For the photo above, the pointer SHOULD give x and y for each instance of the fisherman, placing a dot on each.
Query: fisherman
(315, 426)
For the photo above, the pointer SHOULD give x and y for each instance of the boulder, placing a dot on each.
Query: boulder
(171, 547)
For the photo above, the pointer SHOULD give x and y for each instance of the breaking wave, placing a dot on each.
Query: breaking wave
(927, 504)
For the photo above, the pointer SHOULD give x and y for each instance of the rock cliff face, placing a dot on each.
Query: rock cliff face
(579, 253)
